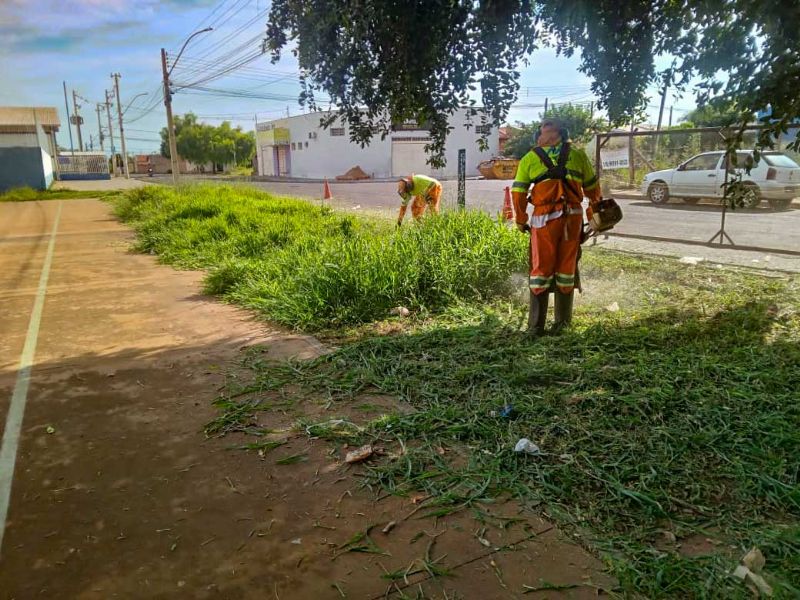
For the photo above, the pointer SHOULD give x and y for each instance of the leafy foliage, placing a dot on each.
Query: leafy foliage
(201, 143)
(384, 62)
(577, 119)
(711, 115)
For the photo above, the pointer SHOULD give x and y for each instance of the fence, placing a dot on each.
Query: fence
(675, 186)
(83, 165)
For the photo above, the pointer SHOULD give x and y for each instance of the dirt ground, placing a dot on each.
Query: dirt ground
(117, 493)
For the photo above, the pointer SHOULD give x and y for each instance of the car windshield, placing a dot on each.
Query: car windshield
(780, 160)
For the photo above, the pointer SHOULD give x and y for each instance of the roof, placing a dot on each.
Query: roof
(22, 119)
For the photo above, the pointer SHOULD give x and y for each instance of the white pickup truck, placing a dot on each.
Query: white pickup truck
(775, 178)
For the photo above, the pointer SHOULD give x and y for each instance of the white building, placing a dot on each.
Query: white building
(299, 147)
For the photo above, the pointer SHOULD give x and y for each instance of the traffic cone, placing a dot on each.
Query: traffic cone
(326, 191)
(508, 211)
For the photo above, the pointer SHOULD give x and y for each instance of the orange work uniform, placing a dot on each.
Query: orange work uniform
(557, 221)
(426, 191)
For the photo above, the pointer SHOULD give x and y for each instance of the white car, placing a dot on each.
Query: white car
(775, 178)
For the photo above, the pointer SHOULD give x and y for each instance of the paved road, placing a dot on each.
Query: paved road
(760, 228)
(118, 494)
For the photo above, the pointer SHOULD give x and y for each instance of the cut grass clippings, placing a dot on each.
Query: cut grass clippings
(677, 414)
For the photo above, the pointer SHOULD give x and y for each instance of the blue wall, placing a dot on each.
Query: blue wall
(21, 167)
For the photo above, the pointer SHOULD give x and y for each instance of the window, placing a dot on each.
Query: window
(779, 160)
(337, 131)
(483, 129)
(306, 144)
(312, 135)
(704, 162)
(293, 146)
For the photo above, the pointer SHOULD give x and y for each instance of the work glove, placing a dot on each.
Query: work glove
(523, 227)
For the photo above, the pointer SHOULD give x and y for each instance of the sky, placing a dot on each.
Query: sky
(82, 42)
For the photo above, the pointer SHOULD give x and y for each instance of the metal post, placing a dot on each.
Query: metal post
(631, 157)
(116, 77)
(544, 114)
(173, 145)
(100, 127)
(111, 136)
(670, 116)
(598, 164)
(77, 119)
(69, 126)
(462, 179)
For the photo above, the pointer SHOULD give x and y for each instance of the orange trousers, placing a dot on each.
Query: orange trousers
(433, 199)
(554, 254)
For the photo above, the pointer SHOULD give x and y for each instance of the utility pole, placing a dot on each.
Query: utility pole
(77, 119)
(111, 135)
(91, 142)
(544, 114)
(69, 127)
(100, 126)
(670, 116)
(116, 77)
(173, 144)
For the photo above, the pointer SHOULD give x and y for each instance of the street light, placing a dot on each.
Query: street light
(131, 102)
(173, 144)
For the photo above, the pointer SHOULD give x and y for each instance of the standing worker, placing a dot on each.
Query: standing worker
(426, 192)
(561, 176)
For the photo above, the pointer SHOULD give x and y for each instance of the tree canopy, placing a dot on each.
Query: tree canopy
(202, 143)
(578, 120)
(383, 62)
(712, 115)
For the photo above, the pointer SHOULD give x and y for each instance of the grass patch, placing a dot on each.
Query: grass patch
(27, 194)
(678, 413)
(310, 267)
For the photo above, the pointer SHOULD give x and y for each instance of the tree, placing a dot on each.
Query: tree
(578, 121)
(712, 115)
(201, 143)
(383, 62)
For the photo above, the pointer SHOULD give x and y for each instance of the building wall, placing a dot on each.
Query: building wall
(24, 166)
(327, 155)
(19, 140)
(47, 168)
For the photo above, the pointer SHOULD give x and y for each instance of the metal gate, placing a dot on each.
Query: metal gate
(408, 156)
(83, 165)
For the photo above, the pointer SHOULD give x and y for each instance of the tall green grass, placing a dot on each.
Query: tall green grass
(310, 267)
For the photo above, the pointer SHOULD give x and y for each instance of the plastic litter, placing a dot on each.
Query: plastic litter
(526, 446)
(613, 307)
(691, 260)
(400, 311)
(508, 412)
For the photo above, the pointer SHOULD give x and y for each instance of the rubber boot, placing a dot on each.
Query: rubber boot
(563, 311)
(537, 314)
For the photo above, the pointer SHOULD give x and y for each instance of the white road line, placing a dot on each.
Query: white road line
(16, 410)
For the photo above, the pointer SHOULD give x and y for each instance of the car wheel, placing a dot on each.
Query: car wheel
(752, 196)
(658, 192)
(776, 204)
(691, 200)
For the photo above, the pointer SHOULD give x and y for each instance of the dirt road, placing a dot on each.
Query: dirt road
(116, 492)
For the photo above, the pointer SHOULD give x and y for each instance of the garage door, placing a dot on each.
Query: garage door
(408, 156)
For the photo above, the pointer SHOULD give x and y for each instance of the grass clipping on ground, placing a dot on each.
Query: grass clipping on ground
(671, 419)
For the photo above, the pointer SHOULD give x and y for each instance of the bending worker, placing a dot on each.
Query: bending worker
(561, 176)
(426, 192)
